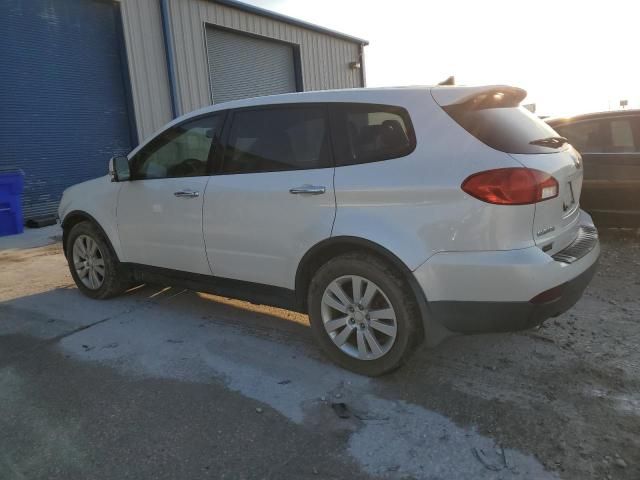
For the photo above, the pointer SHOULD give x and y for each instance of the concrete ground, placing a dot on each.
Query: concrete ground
(164, 383)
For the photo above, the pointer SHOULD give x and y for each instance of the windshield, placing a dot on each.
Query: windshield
(511, 129)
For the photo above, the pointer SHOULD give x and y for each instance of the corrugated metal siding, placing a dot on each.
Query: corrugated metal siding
(142, 27)
(241, 66)
(325, 59)
(62, 95)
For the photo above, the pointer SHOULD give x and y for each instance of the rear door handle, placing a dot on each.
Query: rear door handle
(186, 194)
(308, 189)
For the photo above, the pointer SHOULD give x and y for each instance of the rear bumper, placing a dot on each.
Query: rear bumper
(478, 317)
(472, 292)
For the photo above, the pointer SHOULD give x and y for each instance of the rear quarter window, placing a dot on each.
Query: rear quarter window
(364, 133)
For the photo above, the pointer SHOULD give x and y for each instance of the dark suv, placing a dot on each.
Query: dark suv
(610, 146)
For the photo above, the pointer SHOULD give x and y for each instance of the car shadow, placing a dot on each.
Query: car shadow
(60, 312)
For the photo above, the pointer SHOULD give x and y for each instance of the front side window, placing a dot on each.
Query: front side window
(278, 139)
(181, 151)
(366, 133)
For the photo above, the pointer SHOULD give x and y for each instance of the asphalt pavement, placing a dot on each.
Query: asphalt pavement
(165, 383)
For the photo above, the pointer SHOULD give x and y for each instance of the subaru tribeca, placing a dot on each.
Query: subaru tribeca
(388, 215)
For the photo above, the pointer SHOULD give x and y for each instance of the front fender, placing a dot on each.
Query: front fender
(96, 201)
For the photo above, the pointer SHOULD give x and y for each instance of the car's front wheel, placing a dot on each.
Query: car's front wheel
(93, 264)
(363, 314)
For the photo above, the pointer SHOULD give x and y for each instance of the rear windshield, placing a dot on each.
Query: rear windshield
(510, 129)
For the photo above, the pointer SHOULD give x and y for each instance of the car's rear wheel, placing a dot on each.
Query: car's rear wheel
(363, 314)
(93, 264)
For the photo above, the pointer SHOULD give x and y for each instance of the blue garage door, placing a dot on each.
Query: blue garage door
(63, 101)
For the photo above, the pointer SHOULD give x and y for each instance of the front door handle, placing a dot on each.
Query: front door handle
(308, 189)
(186, 194)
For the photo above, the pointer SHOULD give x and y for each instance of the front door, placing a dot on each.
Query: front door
(160, 209)
(272, 196)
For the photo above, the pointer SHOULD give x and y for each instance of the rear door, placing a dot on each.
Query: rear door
(610, 150)
(271, 198)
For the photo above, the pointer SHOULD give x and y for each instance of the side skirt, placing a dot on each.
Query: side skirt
(256, 293)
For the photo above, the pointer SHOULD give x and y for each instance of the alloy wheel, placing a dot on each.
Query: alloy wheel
(88, 262)
(358, 317)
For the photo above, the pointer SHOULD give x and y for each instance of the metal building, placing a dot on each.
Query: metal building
(86, 79)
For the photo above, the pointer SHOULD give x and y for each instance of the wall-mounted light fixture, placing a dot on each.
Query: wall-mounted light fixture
(355, 65)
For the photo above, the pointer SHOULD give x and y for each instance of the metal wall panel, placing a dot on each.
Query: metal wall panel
(242, 66)
(325, 59)
(63, 95)
(142, 27)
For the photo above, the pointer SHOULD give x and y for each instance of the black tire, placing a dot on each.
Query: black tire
(409, 325)
(116, 279)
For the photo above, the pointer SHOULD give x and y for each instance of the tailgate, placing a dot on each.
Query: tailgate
(494, 116)
(555, 222)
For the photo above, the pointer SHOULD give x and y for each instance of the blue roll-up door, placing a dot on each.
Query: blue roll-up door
(63, 101)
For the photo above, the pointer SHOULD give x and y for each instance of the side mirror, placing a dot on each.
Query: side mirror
(119, 169)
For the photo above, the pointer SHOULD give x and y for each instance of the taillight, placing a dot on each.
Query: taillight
(511, 186)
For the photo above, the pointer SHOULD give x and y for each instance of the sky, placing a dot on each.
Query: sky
(571, 56)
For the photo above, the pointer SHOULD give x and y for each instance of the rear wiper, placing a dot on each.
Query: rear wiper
(551, 142)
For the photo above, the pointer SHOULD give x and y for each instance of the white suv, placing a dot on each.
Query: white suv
(385, 214)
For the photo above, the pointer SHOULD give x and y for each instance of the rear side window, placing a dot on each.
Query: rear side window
(504, 126)
(365, 133)
(622, 136)
(277, 139)
(586, 137)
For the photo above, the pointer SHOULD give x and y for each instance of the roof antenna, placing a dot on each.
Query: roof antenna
(449, 81)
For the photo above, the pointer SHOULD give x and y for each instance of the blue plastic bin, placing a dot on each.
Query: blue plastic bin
(11, 185)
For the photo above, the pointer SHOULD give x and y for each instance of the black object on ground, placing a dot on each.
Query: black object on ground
(41, 221)
(341, 410)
